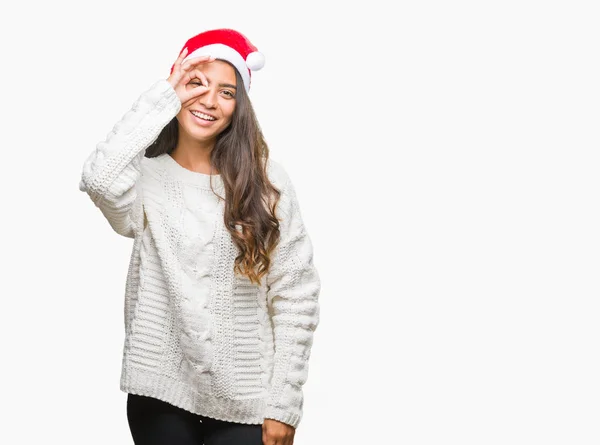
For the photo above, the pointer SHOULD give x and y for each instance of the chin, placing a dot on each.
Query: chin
(202, 134)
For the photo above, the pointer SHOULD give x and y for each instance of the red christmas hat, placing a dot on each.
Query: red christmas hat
(229, 45)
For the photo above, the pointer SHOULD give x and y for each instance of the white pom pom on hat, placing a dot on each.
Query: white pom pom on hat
(229, 45)
(255, 60)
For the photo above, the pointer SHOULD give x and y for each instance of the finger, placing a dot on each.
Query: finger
(190, 63)
(182, 55)
(192, 93)
(197, 77)
(266, 439)
(199, 81)
(200, 75)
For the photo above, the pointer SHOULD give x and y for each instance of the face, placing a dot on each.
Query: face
(214, 108)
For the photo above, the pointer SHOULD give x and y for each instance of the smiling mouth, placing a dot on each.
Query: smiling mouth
(203, 116)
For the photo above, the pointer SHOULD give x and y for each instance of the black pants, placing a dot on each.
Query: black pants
(154, 422)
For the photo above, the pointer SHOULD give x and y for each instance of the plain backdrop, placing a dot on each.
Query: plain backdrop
(445, 155)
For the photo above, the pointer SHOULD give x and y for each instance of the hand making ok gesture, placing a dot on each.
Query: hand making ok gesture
(183, 73)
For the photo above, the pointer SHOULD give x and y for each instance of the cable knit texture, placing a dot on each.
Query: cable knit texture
(198, 335)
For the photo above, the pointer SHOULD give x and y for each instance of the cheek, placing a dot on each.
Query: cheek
(182, 116)
(228, 109)
(184, 119)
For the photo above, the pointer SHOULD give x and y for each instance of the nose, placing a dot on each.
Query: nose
(209, 99)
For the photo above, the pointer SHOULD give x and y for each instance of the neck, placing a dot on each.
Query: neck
(193, 154)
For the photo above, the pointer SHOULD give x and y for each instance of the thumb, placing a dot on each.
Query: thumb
(194, 93)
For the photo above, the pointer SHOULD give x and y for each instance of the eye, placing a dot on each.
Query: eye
(197, 83)
(229, 93)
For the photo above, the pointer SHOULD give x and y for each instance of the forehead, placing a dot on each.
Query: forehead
(218, 71)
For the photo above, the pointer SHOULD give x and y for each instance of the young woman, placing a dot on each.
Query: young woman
(221, 300)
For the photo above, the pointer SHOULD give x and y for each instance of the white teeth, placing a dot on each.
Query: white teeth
(203, 116)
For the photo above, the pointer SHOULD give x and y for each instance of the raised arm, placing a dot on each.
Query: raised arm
(110, 172)
(293, 287)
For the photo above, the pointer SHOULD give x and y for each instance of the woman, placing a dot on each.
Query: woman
(221, 300)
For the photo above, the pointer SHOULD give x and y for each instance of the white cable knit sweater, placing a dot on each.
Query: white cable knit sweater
(197, 335)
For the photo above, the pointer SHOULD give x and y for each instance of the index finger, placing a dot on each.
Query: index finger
(189, 63)
(181, 56)
(202, 77)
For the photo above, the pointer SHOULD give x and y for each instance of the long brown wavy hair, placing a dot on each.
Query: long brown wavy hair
(240, 155)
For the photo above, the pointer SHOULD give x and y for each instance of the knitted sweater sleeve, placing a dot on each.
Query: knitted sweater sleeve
(293, 287)
(110, 172)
